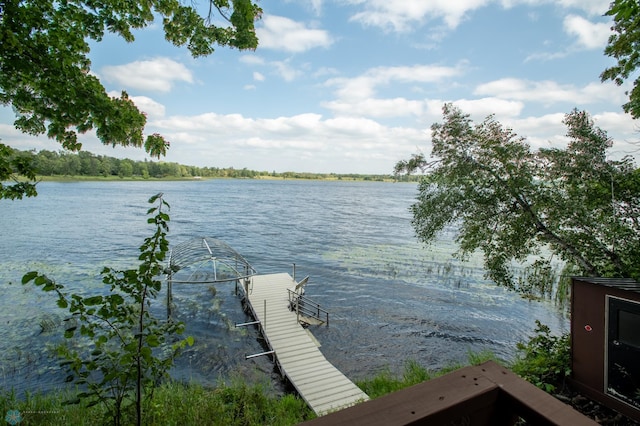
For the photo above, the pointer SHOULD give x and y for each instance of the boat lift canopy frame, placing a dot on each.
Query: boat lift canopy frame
(228, 264)
(188, 260)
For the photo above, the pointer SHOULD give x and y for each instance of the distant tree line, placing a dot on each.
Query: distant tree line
(86, 164)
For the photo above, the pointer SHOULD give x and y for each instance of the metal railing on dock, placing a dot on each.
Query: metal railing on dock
(307, 308)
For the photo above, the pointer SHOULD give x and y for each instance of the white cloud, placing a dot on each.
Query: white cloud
(14, 138)
(280, 33)
(150, 107)
(285, 70)
(547, 131)
(157, 74)
(325, 71)
(478, 109)
(550, 92)
(316, 142)
(620, 123)
(400, 15)
(365, 85)
(316, 5)
(291, 138)
(252, 60)
(145, 104)
(590, 35)
(396, 107)
(592, 7)
(481, 108)
(546, 56)
(281, 68)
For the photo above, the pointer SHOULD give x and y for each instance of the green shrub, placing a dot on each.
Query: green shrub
(545, 360)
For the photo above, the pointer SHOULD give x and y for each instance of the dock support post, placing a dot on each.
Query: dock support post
(260, 354)
(247, 323)
(169, 298)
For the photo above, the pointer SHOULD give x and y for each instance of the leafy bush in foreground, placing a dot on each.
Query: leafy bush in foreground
(545, 360)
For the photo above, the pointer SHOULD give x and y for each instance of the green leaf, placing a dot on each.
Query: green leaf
(145, 352)
(29, 276)
(116, 299)
(92, 301)
(152, 340)
(49, 285)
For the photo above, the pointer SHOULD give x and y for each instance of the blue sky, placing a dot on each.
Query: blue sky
(353, 86)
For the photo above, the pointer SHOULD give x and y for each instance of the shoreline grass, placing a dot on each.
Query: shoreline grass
(236, 403)
(173, 403)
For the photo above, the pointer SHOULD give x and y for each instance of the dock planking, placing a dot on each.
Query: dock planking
(324, 388)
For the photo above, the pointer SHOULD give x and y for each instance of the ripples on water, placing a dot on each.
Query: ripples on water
(391, 300)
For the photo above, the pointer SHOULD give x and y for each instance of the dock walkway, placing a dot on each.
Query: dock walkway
(319, 383)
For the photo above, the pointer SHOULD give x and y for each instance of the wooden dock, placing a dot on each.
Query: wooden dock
(295, 351)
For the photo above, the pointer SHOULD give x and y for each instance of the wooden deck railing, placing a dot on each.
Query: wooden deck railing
(487, 394)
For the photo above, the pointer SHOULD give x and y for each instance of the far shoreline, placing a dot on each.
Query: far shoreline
(66, 178)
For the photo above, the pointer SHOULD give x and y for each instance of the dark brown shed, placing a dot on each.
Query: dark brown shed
(605, 341)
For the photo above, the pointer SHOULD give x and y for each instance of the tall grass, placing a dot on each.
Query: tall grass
(237, 403)
(172, 404)
(385, 382)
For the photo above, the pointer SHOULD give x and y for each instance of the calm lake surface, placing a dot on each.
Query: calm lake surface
(391, 299)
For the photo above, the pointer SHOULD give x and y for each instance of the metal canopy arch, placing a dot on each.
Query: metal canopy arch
(205, 260)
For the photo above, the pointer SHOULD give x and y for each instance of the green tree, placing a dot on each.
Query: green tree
(131, 350)
(624, 47)
(515, 204)
(72, 164)
(125, 169)
(89, 164)
(45, 72)
(45, 162)
(141, 169)
(106, 167)
(15, 165)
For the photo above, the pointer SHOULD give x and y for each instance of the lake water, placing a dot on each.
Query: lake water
(390, 299)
